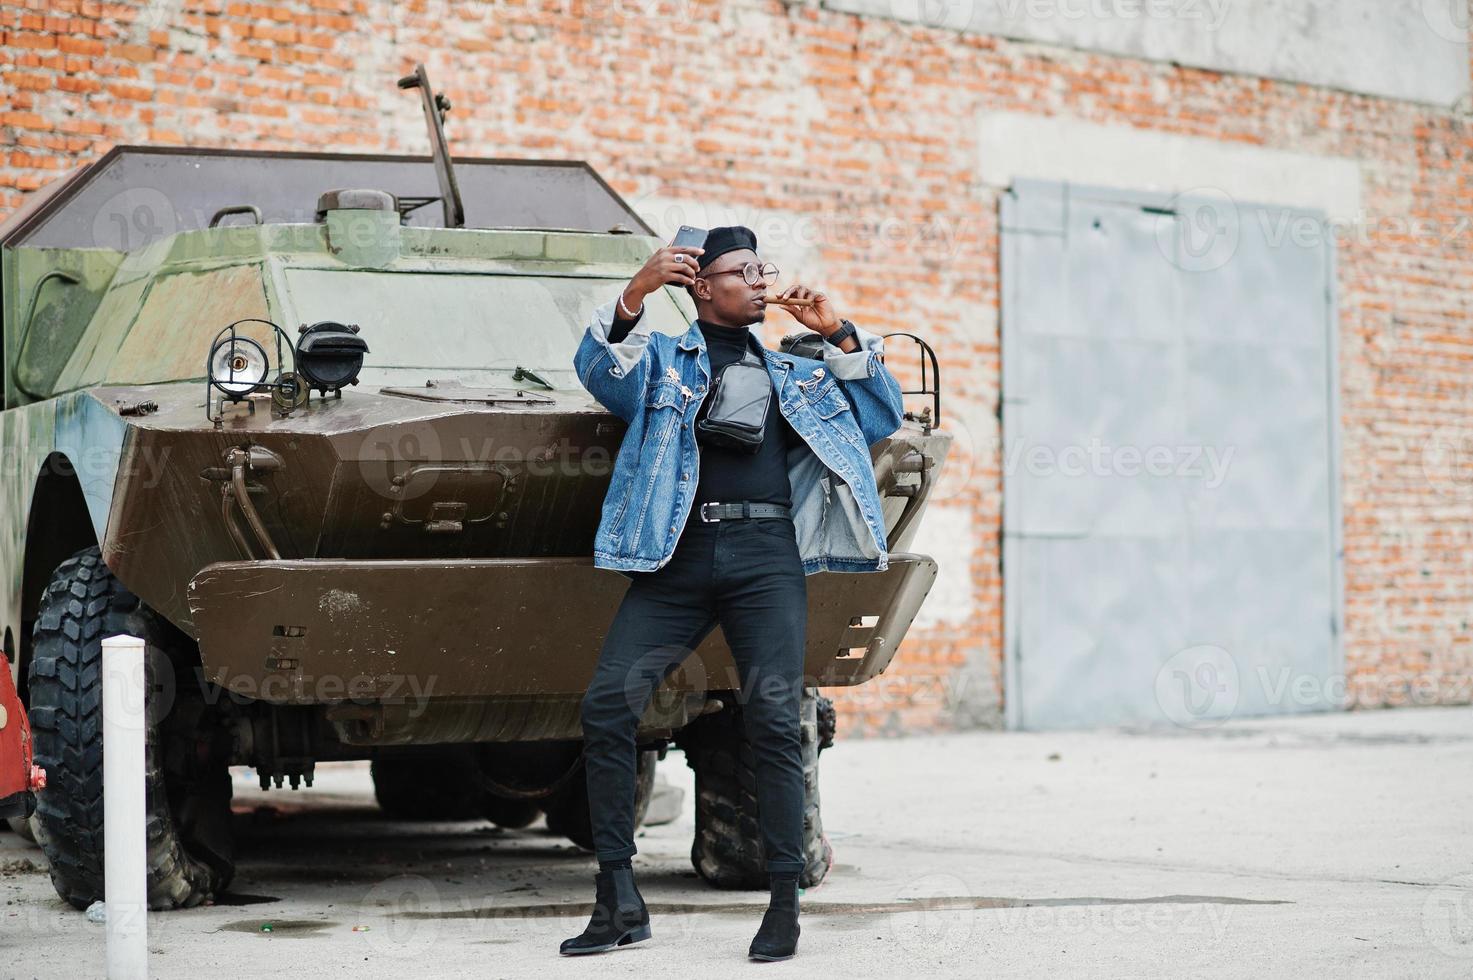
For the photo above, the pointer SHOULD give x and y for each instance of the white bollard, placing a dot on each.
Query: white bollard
(124, 693)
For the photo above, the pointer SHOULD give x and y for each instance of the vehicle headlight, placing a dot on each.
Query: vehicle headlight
(238, 366)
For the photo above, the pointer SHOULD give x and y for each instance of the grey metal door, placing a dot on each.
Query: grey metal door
(1170, 491)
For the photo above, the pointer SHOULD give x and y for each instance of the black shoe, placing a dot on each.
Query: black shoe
(619, 915)
(777, 939)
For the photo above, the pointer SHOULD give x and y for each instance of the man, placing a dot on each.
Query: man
(714, 534)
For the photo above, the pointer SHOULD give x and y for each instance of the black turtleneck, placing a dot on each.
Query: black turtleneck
(727, 475)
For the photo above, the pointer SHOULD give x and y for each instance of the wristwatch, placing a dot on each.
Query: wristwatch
(846, 329)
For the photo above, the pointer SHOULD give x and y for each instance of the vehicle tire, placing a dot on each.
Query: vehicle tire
(430, 784)
(727, 850)
(828, 722)
(186, 760)
(567, 809)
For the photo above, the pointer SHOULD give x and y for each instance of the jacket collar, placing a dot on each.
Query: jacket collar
(692, 339)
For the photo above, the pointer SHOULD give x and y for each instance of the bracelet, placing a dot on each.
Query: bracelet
(625, 310)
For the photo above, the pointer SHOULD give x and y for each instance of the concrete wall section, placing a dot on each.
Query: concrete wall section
(1400, 49)
(1016, 145)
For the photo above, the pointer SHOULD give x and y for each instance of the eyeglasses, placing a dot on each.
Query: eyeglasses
(754, 274)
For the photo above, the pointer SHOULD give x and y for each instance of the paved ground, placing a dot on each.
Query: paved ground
(1333, 845)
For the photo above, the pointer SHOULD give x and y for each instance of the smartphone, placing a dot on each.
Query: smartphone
(688, 237)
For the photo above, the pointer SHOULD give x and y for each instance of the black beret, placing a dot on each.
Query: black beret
(729, 238)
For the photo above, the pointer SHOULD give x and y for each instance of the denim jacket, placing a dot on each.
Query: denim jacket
(655, 382)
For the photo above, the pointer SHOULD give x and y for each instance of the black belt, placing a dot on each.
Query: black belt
(712, 512)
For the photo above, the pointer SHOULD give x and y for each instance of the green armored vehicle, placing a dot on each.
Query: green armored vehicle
(325, 451)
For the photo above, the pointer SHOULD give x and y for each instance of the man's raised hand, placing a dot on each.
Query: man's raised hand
(673, 265)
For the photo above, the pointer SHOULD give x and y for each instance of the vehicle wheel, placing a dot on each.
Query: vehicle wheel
(828, 722)
(187, 776)
(567, 809)
(428, 784)
(728, 851)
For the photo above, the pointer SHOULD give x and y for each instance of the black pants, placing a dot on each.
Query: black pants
(746, 575)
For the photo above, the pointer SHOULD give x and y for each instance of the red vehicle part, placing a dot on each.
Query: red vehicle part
(19, 777)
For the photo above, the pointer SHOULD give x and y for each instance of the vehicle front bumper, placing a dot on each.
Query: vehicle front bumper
(316, 631)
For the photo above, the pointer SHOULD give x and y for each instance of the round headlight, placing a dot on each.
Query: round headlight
(238, 366)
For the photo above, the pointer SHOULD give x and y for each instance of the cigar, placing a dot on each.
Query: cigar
(794, 301)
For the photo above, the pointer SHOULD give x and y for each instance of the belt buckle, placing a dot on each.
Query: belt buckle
(709, 520)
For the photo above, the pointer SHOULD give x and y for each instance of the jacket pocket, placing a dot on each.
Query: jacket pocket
(664, 410)
(826, 399)
(664, 394)
(832, 405)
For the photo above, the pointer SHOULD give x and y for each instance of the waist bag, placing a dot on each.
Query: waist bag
(737, 411)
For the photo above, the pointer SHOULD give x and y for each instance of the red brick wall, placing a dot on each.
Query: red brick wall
(865, 130)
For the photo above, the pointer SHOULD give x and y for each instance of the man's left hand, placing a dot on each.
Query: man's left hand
(820, 316)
